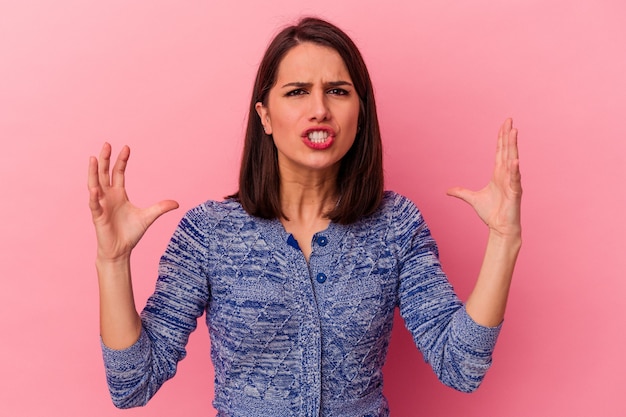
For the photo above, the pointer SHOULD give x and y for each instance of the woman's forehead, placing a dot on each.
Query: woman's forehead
(309, 62)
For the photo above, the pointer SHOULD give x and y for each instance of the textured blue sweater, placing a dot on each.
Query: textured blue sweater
(291, 338)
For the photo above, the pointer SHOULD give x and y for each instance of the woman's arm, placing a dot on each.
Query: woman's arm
(119, 227)
(498, 205)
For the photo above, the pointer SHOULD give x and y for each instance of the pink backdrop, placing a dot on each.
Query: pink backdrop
(172, 80)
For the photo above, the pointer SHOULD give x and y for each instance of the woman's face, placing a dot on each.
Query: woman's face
(312, 110)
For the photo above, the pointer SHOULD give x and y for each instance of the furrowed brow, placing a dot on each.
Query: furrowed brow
(301, 84)
(339, 83)
(298, 84)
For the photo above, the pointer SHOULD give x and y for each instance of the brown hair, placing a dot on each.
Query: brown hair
(360, 178)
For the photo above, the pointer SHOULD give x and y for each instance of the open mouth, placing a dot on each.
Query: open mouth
(318, 136)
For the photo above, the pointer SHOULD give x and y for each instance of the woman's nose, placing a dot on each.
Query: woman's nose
(319, 107)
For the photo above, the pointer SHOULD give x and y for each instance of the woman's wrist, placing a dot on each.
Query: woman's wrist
(510, 240)
(112, 260)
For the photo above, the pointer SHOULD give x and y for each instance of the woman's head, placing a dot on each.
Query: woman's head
(360, 177)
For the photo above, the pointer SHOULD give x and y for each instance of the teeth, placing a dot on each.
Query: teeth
(318, 136)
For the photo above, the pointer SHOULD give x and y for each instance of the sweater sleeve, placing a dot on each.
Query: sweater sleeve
(181, 296)
(458, 349)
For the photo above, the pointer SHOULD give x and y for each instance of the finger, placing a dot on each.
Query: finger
(516, 176)
(503, 141)
(93, 185)
(500, 145)
(92, 173)
(103, 165)
(94, 202)
(160, 208)
(462, 194)
(117, 174)
(513, 152)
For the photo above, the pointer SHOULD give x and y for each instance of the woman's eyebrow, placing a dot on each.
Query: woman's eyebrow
(301, 84)
(297, 84)
(339, 83)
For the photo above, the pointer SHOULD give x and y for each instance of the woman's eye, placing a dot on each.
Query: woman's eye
(297, 92)
(338, 91)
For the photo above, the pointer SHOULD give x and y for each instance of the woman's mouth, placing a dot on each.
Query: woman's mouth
(318, 138)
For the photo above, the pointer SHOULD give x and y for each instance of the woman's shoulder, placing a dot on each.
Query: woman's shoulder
(399, 213)
(212, 212)
(228, 205)
(217, 206)
(397, 205)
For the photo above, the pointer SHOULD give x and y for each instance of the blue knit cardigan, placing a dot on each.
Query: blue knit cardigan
(291, 338)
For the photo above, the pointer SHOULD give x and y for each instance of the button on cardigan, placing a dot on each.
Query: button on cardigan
(291, 338)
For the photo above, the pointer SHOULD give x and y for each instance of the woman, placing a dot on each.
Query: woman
(300, 271)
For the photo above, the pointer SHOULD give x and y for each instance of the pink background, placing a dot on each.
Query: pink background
(172, 79)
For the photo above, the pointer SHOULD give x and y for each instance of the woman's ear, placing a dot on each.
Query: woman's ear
(264, 115)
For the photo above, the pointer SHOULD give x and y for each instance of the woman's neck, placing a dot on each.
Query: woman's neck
(305, 202)
(307, 198)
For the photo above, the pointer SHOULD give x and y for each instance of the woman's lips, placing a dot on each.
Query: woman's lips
(318, 138)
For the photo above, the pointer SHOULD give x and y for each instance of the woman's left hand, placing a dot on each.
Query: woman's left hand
(498, 204)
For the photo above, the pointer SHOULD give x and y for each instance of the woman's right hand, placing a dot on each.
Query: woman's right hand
(119, 224)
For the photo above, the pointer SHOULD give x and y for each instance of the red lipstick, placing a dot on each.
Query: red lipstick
(318, 138)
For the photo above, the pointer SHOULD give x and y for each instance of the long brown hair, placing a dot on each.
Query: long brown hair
(360, 180)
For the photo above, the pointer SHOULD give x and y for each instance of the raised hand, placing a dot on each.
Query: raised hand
(498, 204)
(119, 224)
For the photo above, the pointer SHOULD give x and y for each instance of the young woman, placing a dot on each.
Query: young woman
(300, 271)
